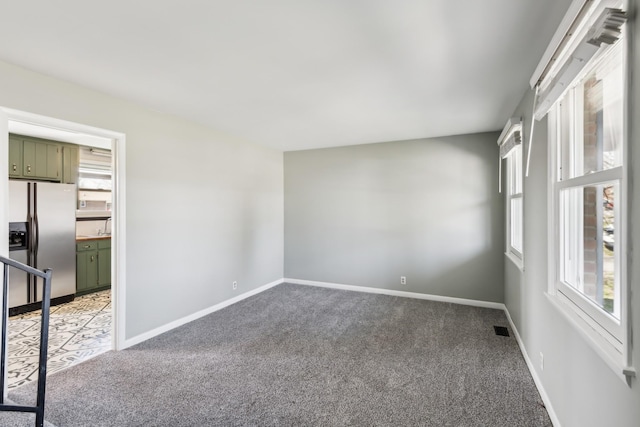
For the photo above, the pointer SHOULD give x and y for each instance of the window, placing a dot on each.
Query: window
(514, 202)
(588, 185)
(510, 143)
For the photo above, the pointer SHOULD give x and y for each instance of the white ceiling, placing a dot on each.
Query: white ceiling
(295, 74)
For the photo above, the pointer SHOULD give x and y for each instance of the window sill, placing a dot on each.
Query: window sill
(516, 261)
(610, 355)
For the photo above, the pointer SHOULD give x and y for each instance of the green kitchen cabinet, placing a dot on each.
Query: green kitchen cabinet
(15, 157)
(34, 158)
(104, 262)
(93, 266)
(86, 271)
(43, 159)
(40, 160)
(70, 163)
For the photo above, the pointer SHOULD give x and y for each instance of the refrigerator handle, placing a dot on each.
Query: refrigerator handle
(36, 239)
(36, 225)
(32, 243)
(30, 230)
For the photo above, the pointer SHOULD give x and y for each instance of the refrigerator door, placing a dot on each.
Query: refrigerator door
(55, 231)
(18, 280)
(18, 199)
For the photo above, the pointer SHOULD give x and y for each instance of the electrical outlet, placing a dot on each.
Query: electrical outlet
(403, 280)
(541, 361)
(235, 285)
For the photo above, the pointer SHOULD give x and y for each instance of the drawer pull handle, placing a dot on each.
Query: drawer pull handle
(87, 246)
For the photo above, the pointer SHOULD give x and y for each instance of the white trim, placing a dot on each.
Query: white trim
(609, 327)
(119, 227)
(58, 124)
(184, 320)
(627, 192)
(404, 294)
(4, 212)
(536, 379)
(552, 205)
(515, 260)
(601, 177)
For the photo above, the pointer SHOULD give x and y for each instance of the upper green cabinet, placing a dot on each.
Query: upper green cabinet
(70, 164)
(34, 158)
(40, 160)
(15, 157)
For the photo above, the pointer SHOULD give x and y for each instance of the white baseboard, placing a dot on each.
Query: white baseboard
(536, 379)
(179, 322)
(404, 294)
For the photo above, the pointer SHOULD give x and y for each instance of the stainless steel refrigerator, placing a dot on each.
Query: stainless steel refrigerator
(42, 235)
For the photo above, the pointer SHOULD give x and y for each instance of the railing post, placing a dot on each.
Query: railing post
(3, 345)
(44, 344)
(38, 410)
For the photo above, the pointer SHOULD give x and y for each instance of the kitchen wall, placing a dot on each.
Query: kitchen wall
(583, 390)
(203, 209)
(426, 209)
(92, 227)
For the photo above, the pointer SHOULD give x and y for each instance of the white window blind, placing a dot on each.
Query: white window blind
(510, 138)
(588, 25)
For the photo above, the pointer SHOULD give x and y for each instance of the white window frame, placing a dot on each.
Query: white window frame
(610, 338)
(515, 173)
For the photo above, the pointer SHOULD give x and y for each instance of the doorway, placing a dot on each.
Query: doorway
(112, 301)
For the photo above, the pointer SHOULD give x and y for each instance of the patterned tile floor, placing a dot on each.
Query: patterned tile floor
(78, 331)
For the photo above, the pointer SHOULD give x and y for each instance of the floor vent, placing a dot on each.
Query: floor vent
(501, 330)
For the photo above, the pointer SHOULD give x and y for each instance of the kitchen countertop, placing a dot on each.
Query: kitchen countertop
(96, 237)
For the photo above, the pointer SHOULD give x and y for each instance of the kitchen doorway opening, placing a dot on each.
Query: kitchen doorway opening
(105, 308)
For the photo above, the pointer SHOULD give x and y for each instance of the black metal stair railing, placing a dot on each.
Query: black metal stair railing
(44, 339)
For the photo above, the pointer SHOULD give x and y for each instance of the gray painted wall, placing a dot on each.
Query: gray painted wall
(583, 390)
(196, 196)
(426, 209)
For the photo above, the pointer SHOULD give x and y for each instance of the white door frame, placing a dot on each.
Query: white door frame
(118, 251)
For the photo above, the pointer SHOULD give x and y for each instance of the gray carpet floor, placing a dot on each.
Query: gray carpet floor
(297, 355)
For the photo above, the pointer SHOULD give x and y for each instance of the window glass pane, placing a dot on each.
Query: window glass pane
(587, 236)
(517, 170)
(516, 223)
(565, 137)
(591, 118)
(514, 169)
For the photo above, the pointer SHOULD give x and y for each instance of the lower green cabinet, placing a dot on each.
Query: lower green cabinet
(93, 266)
(104, 262)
